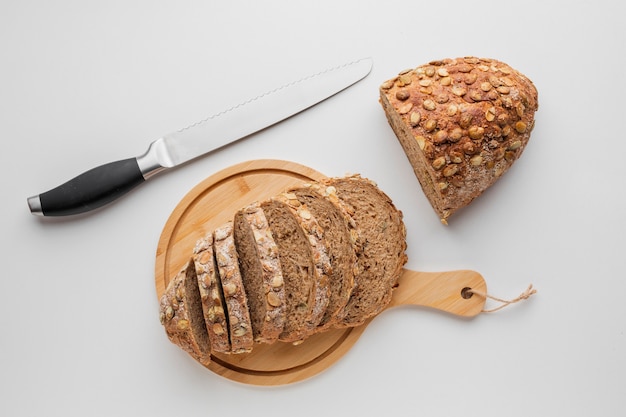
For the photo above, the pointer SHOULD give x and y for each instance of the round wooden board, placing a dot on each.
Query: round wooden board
(208, 205)
(215, 201)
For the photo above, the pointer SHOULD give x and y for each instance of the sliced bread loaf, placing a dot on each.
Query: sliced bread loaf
(298, 268)
(261, 273)
(240, 327)
(319, 256)
(340, 245)
(211, 294)
(381, 242)
(181, 315)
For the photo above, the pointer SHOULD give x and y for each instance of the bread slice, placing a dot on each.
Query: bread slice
(299, 272)
(261, 273)
(180, 312)
(240, 326)
(381, 243)
(211, 294)
(340, 245)
(319, 252)
(462, 123)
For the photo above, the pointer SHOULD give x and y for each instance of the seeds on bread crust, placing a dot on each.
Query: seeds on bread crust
(211, 294)
(475, 102)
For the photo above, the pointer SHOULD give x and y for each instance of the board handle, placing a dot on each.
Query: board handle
(446, 291)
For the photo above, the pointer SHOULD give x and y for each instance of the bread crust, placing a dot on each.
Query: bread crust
(462, 123)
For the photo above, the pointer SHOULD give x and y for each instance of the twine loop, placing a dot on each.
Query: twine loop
(503, 303)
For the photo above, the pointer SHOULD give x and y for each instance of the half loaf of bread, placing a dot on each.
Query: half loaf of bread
(462, 123)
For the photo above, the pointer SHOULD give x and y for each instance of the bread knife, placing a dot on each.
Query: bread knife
(104, 184)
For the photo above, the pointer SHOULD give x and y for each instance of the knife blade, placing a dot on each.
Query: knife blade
(105, 183)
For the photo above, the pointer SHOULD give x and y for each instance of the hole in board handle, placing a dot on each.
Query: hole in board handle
(467, 293)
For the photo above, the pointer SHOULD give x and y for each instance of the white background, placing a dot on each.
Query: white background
(84, 83)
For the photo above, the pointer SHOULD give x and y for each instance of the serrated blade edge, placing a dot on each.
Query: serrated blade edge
(258, 113)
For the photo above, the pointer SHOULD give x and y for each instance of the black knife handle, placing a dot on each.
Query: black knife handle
(90, 190)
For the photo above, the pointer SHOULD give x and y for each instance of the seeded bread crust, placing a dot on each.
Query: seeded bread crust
(381, 235)
(462, 123)
(240, 332)
(181, 315)
(319, 251)
(261, 273)
(211, 294)
(339, 230)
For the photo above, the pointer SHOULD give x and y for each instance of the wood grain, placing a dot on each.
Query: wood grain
(215, 200)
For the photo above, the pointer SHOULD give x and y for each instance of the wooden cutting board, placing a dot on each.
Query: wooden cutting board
(215, 200)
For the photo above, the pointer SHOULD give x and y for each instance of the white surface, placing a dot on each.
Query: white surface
(84, 83)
